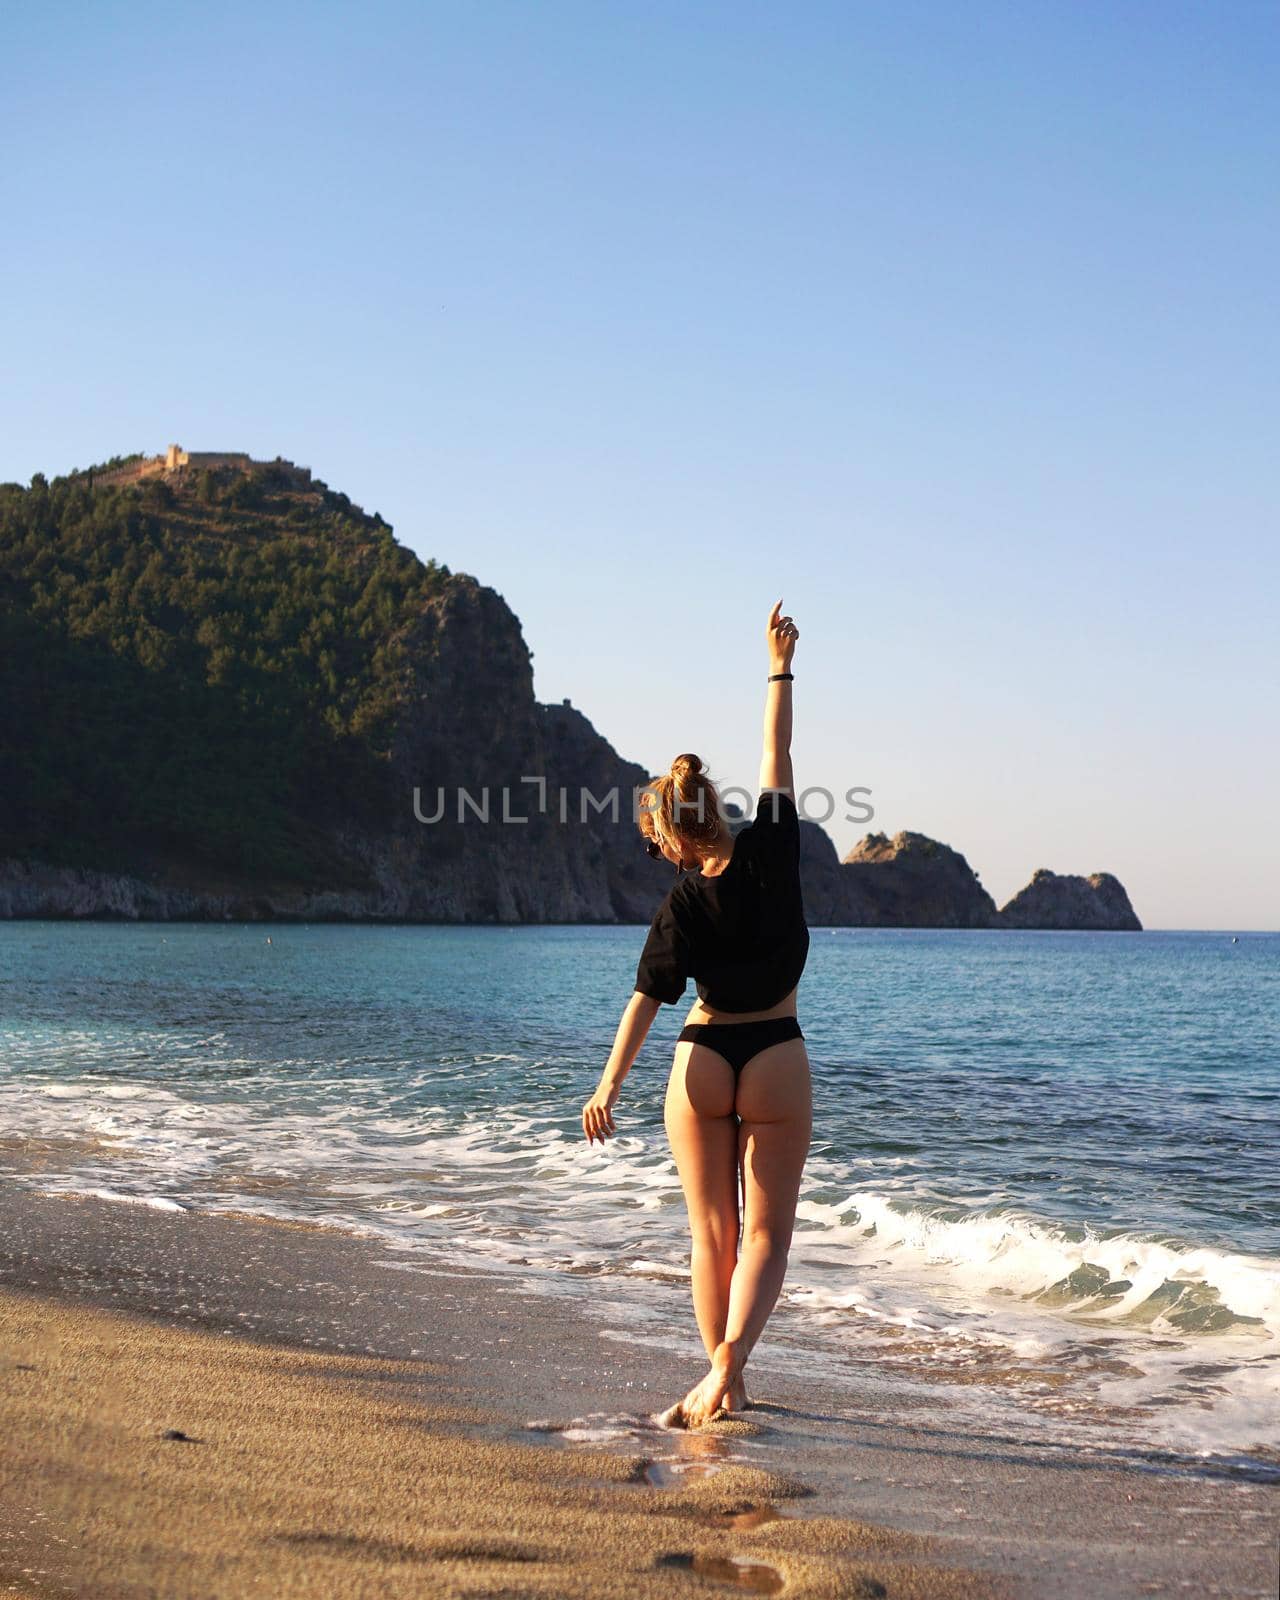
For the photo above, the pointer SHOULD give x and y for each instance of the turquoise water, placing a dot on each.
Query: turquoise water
(1046, 1154)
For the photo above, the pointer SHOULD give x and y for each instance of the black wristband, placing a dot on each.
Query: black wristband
(779, 677)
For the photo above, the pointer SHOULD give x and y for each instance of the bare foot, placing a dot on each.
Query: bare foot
(704, 1400)
(736, 1397)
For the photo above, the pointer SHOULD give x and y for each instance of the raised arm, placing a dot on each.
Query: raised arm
(775, 758)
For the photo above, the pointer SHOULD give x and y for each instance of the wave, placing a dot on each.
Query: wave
(494, 1170)
(1128, 1278)
(1135, 1278)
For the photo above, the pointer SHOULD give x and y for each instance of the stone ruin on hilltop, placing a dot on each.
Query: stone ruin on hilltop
(176, 461)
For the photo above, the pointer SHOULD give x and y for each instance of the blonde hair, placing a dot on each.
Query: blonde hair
(682, 808)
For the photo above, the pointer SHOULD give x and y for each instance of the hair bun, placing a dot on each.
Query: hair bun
(685, 767)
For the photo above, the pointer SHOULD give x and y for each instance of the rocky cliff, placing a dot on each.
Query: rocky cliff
(1052, 900)
(911, 881)
(467, 837)
(236, 697)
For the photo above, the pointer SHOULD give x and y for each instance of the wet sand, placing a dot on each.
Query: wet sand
(360, 1422)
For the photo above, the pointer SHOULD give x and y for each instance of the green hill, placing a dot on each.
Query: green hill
(203, 669)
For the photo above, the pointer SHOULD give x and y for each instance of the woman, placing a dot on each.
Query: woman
(738, 1104)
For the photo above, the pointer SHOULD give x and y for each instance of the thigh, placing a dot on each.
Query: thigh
(775, 1103)
(703, 1131)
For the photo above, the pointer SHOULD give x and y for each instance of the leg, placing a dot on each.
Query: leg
(774, 1102)
(703, 1131)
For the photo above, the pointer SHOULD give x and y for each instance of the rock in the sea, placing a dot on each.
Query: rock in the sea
(912, 881)
(1064, 901)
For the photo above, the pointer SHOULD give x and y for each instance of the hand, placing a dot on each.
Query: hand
(597, 1115)
(781, 634)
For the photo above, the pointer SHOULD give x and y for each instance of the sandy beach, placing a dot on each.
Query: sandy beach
(354, 1423)
(143, 1459)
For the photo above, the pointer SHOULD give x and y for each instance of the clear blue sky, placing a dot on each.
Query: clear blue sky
(955, 325)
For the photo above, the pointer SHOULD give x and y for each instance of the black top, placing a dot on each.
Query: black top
(741, 936)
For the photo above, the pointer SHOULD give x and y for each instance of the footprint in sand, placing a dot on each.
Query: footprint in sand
(674, 1474)
(742, 1572)
(597, 1427)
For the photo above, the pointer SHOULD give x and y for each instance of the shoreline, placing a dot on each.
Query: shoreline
(458, 1350)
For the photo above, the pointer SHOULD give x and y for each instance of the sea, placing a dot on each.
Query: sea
(1043, 1190)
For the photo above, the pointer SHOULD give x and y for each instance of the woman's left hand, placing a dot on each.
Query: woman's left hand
(781, 633)
(597, 1115)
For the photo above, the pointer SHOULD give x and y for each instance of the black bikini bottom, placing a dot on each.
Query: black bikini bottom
(738, 1042)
